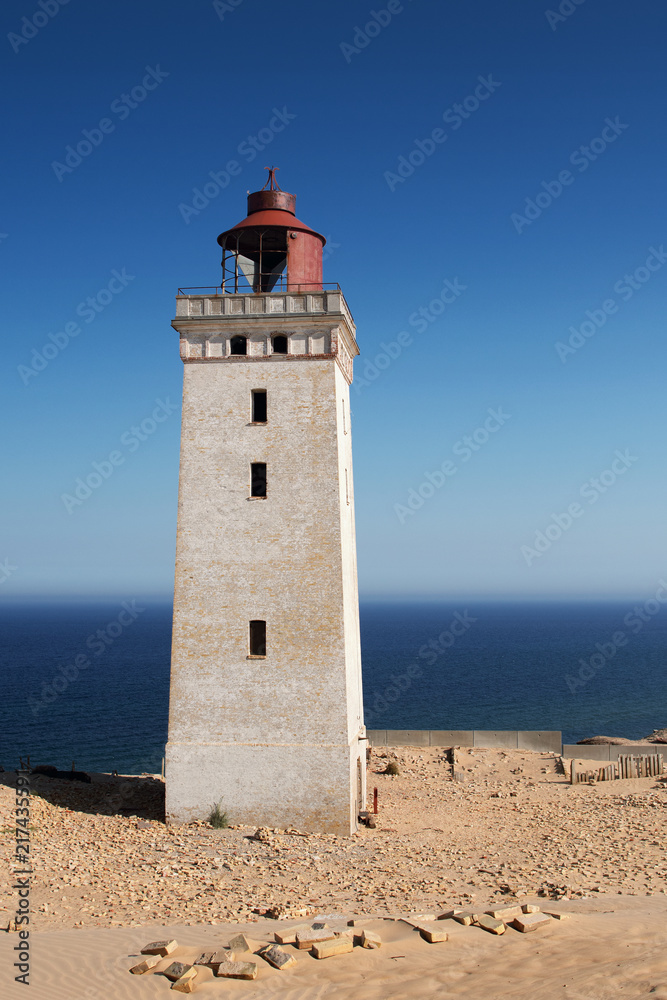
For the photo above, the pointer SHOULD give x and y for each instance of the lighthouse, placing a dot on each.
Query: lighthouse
(265, 711)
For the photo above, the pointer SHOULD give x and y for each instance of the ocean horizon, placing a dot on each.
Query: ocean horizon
(88, 682)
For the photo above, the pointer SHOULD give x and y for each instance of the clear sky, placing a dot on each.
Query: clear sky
(514, 151)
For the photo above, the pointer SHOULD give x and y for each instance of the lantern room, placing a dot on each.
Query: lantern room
(271, 250)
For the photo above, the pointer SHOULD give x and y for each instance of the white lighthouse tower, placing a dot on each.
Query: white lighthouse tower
(265, 711)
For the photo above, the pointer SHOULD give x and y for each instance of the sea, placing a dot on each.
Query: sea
(87, 684)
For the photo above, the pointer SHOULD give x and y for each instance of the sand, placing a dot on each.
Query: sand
(612, 947)
(512, 830)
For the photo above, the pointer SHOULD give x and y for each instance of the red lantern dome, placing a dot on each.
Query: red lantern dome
(271, 249)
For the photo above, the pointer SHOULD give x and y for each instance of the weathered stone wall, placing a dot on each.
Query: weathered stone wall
(274, 739)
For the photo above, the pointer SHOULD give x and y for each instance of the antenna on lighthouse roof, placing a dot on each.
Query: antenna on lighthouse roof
(272, 183)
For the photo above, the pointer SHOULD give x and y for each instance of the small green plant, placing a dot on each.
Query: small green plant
(218, 819)
(392, 768)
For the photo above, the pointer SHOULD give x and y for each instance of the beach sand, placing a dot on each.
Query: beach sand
(105, 883)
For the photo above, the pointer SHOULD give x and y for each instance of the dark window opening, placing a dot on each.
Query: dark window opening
(259, 406)
(258, 479)
(279, 345)
(257, 638)
(239, 345)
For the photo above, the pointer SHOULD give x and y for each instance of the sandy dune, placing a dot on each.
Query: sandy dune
(613, 947)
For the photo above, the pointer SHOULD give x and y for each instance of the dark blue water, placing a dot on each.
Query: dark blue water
(90, 684)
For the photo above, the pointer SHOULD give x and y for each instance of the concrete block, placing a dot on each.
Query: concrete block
(589, 752)
(216, 958)
(490, 924)
(237, 970)
(448, 914)
(206, 958)
(239, 943)
(530, 908)
(507, 912)
(306, 939)
(466, 917)
(495, 739)
(544, 740)
(531, 922)
(417, 919)
(433, 934)
(369, 939)
(276, 957)
(557, 916)
(377, 737)
(145, 966)
(288, 936)
(407, 737)
(451, 738)
(186, 982)
(341, 945)
(176, 970)
(162, 948)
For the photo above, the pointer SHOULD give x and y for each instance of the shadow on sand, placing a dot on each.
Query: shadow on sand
(137, 795)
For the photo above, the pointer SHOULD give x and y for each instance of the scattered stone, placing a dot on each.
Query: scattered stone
(289, 936)
(414, 920)
(530, 908)
(216, 958)
(275, 956)
(491, 924)
(466, 917)
(286, 912)
(162, 948)
(306, 939)
(206, 958)
(236, 970)
(145, 966)
(320, 926)
(340, 945)
(176, 970)
(448, 914)
(508, 912)
(531, 922)
(239, 943)
(434, 935)
(186, 982)
(369, 939)
(263, 835)
(558, 916)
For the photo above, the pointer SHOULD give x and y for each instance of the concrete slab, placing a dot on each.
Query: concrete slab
(407, 737)
(544, 740)
(587, 752)
(451, 737)
(496, 738)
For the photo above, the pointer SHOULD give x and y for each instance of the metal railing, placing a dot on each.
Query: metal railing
(289, 287)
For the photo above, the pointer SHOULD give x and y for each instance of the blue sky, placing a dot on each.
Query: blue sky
(534, 199)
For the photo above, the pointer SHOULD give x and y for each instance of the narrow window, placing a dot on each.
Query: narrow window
(258, 479)
(347, 490)
(344, 423)
(239, 345)
(258, 406)
(279, 345)
(257, 633)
